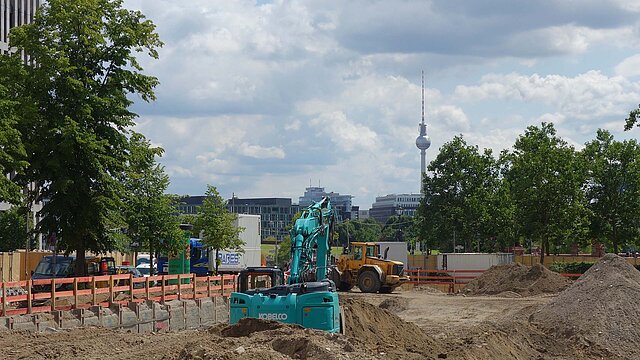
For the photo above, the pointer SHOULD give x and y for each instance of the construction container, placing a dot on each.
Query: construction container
(471, 261)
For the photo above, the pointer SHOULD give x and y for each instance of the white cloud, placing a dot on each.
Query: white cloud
(260, 152)
(629, 67)
(585, 96)
(336, 128)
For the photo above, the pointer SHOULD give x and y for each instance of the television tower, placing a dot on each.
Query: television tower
(423, 142)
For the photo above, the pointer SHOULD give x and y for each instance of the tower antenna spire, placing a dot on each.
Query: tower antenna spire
(423, 141)
(422, 96)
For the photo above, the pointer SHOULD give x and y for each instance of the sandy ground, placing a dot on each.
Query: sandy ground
(436, 312)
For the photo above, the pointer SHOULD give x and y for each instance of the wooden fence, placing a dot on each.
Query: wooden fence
(83, 292)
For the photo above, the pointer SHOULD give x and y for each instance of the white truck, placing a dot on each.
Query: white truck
(396, 251)
(233, 261)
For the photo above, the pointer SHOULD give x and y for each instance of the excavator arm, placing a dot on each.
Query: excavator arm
(311, 243)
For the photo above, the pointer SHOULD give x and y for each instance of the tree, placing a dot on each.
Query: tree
(455, 210)
(85, 51)
(545, 178)
(633, 119)
(13, 231)
(12, 152)
(217, 224)
(148, 211)
(613, 189)
(398, 228)
(367, 230)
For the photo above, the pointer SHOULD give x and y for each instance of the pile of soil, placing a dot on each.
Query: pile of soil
(394, 304)
(600, 310)
(517, 278)
(383, 332)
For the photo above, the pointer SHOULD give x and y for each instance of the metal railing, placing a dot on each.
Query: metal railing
(45, 295)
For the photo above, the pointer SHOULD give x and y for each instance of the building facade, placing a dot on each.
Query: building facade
(341, 203)
(394, 204)
(276, 214)
(14, 13)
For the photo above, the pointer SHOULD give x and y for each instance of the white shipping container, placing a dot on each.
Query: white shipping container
(397, 251)
(233, 261)
(472, 261)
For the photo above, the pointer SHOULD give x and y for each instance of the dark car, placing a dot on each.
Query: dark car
(59, 266)
(53, 266)
(128, 269)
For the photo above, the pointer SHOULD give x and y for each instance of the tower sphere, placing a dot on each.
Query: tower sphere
(423, 142)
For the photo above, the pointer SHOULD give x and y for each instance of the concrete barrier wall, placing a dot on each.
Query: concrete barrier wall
(143, 317)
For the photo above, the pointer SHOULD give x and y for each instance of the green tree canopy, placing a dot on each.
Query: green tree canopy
(613, 189)
(633, 119)
(367, 230)
(148, 211)
(459, 192)
(13, 231)
(217, 224)
(12, 152)
(85, 51)
(545, 177)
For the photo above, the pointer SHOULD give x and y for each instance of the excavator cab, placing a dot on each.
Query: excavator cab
(255, 278)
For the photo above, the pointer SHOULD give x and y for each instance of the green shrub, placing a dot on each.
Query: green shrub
(570, 267)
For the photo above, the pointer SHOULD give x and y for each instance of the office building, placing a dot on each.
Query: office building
(394, 204)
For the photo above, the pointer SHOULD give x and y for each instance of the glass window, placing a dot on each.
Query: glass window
(357, 253)
(370, 251)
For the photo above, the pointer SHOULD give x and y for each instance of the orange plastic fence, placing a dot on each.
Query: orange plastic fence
(63, 294)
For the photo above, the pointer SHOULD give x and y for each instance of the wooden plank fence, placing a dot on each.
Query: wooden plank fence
(43, 295)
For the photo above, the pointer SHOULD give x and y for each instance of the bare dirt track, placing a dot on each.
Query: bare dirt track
(585, 321)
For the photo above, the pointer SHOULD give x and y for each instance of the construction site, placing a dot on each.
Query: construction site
(509, 312)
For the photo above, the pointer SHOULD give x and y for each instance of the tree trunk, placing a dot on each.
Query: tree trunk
(218, 261)
(542, 250)
(151, 268)
(80, 259)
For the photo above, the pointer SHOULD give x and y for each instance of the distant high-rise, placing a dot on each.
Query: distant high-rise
(423, 142)
(14, 13)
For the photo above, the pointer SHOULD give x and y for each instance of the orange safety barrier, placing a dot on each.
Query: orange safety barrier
(47, 294)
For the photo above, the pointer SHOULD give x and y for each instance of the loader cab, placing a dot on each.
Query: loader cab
(361, 250)
(259, 278)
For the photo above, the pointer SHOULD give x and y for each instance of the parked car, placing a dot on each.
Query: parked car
(128, 269)
(59, 266)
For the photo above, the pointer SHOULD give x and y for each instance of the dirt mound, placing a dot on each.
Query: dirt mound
(248, 326)
(395, 304)
(385, 332)
(600, 309)
(517, 278)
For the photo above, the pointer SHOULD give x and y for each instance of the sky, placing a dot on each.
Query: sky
(264, 98)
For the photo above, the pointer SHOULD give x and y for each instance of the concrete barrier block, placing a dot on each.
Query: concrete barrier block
(145, 317)
(222, 309)
(24, 322)
(45, 322)
(176, 315)
(4, 324)
(128, 319)
(108, 318)
(191, 314)
(207, 311)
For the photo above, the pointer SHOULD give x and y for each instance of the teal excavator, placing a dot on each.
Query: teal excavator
(308, 298)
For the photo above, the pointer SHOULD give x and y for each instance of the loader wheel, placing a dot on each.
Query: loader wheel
(345, 286)
(386, 290)
(368, 282)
